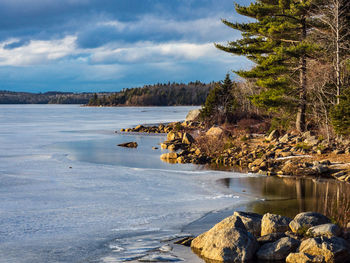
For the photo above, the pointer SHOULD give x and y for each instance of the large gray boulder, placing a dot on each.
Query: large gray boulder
(251, 221)
(328, 230)
(303, 221)
(304, 258)
(278, 250)
(192, 115)
(333, 249)
(272, 223)
(227, 241)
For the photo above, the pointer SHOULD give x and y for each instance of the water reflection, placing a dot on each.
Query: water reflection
(289, 196)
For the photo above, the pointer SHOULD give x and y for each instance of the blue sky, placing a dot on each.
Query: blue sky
(108, 45)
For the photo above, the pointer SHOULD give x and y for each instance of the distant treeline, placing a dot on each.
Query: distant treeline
(170, 94)
(9, 97)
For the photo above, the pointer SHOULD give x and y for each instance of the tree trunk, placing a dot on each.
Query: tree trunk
(337, 50)
(300, 121)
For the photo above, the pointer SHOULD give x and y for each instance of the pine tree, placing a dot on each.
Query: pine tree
(340, 115)
(220, 103)
(277, 42)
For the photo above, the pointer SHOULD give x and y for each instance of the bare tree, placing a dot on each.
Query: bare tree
(335, 15)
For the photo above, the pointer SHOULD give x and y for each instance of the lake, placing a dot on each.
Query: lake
(69, 194)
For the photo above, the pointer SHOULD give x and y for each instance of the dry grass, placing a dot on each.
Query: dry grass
(211, 145)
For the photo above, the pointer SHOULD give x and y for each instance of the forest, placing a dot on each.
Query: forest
(170, 94)
(9, 97)
(301, 77)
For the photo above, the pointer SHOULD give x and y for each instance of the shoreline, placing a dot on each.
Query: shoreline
(288, 155)
(204, 223)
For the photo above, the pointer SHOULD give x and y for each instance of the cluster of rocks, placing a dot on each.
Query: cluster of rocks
(309, 237)
(190, 123)
(307, 143)
(286, 155)
(188, 153)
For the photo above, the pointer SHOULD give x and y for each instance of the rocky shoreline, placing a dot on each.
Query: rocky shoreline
(250, 237)
(272, 155)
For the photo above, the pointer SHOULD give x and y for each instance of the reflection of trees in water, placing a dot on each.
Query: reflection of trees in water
(289, 196)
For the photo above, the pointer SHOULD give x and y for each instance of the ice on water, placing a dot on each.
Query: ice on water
(68, 194)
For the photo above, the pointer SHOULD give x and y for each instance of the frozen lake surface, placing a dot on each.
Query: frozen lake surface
(69, 194)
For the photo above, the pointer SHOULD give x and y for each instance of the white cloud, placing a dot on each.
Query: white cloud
(37, 51)
(200, 30)
(46, 52)
(146, 52)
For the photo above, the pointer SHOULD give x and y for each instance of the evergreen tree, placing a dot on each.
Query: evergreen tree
(220, 104)
(277, 42)
(340, 115)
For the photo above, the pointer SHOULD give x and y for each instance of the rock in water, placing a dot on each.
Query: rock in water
(304, 221)
(192, 115)
(129, 144)
(169, 156)
(271, 223)
(227, 241)
(333, 249)
(278, 250)
(174, 136)
(304, 258)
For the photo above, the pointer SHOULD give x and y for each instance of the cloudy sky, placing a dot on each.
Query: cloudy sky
(107, 45)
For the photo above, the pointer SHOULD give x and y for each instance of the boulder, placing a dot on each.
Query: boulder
(193, 115)
(215, 131)
(187, 138)
(173, 136)
(312, 141)
(271, 223)
(269, 238)
(138, 128)
(164, 146)
(328, 230)
(251, 221)
(333, 249)
(304, 221)
(304, 258)
(278, 250)
(227, 241)
(129, 145)
(173, 147)
(169, 156)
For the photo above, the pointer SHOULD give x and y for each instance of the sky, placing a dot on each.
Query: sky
(108, 45)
